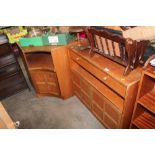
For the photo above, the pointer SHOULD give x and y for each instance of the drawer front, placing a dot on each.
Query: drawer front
(45, 82)
(51, 77)
(97, 112)
(12, 80)
(104, 77)
(42, 88)
(108, 109)
(98, 99)
(86, 87)
(53, 89)
(77, 90)
(13, 89)
(5, 48)
(43, 76)
(112, 111)
(109, 123)
(7, 59)
(86, 100)
(9, 70)
(38, 76)
(75, 78)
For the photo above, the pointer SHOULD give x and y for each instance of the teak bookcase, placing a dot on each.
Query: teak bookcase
(144, 111)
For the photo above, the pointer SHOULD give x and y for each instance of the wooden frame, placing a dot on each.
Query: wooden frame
(5, 120)
(124, 51)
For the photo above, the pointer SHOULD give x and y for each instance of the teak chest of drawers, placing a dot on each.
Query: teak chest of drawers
(99, 83)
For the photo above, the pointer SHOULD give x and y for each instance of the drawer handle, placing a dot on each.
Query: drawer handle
(105, 78)
(77, 59)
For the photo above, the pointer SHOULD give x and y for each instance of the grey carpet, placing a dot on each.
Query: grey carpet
(48, 112)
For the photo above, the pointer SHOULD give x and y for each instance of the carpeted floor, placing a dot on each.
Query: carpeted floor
(48, 112)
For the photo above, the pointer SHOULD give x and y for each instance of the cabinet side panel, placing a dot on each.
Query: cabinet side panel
(61, 64)
(129, 103)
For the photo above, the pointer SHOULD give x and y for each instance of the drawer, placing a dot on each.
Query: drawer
(37, 76)
(53, 89)
(97, 112)
(9, 70)
(85, 87)
(13, 89)
(109, 123)
(50, 77)
(12, 80)
(43, 76)
(101, 75)
(77, 90)
(98, 99)
(112, 111)
(75, 78)
(42, 88)
(7, 59)
(5, 48)
(45, 82)
(86, 100)
(100, 87)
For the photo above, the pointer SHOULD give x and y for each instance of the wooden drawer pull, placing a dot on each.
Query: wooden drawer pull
(105, 78)
(77, 58)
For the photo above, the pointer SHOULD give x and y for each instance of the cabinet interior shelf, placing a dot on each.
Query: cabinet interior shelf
(40, 61)
(148, 101)
(145, 121)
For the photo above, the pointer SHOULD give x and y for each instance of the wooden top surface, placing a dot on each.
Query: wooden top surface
(48, 48)
(150, 71)
(38, 48)
(115, 70)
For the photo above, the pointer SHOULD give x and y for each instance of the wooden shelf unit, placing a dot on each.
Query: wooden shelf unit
(145, 121)
(40, 60)
(144, 111)
(48, 70)
(41, 71)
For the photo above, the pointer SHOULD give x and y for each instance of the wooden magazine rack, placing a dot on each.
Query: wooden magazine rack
(124, 51)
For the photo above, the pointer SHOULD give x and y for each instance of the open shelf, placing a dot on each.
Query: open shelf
(144, 114)
(40, 60)
(148, 101)
(145, 121)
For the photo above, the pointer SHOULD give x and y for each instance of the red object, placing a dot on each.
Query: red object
(83, 35)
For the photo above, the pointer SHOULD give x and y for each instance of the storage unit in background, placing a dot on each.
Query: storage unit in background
(47, 39)
(14, 33)
(57, 39)
(33, 41)
(144, 111)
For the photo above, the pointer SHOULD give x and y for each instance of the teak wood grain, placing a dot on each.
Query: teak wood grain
(144, 110)
(101, 86)
(5, 120)
(54, 59)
